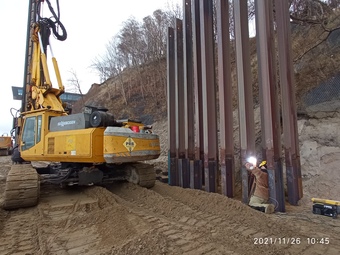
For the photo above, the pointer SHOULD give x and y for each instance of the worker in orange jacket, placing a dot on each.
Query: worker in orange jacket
(260, 198)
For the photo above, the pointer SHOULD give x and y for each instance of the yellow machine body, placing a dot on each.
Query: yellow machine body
(325, 201)
(5, 145)
(5, 142)
(88, 145)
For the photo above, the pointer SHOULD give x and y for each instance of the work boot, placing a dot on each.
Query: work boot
(270, 208)
(259, 208)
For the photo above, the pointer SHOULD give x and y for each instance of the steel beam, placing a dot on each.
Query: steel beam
(290, 132)
(179, 81)
(171, 88)
(180, 101)
(197, 174)
(245, 91)
(173, 172)
(209, 95)
(227, 163)
(270, 118)
(188, 92)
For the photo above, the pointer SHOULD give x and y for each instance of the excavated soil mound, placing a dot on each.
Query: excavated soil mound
(123, 218)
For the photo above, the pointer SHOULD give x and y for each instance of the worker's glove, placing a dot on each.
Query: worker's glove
(249, 166)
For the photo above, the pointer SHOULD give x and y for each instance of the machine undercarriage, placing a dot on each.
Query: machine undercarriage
(23, 180)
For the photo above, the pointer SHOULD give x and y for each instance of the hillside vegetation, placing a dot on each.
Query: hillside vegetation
(137, 93)
(134, 86)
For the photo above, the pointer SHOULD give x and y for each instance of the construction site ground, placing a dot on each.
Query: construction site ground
(127, 219)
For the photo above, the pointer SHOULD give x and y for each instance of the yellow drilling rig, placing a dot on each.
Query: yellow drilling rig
(86, 148)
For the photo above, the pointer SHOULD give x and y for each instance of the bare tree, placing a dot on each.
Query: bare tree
(116, 62)
(312, 14)
(136, 44)
(100, 65)
(173, 11)
(131, 42)
(154, 30)
(75, 84)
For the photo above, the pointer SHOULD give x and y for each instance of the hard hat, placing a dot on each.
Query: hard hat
(263, 163)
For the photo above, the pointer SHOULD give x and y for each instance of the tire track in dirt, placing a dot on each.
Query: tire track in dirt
(62, 238)
(225, 222)
(209, 231)
(128, 219)
(20, 234)
(72, 221)
(272, 226)
(84, 221)
(181, 238)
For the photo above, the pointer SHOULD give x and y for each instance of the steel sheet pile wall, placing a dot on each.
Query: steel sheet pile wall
(197, 149)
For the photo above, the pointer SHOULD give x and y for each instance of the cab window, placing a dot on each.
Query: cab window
(39, 128)
(28, 135)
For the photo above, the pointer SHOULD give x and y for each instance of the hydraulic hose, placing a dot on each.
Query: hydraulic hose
(50, 23)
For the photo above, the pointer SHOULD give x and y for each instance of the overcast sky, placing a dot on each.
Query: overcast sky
(89, 24)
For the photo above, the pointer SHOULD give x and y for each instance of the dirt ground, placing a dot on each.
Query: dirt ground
(126, 219)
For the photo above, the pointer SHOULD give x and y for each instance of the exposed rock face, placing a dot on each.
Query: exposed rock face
(320, 152)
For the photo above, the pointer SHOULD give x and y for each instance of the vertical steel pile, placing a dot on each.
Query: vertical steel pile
(227, 163)
(245, 91)
(189, 98)
(198, 106)
(208, 95)
(269, 98)
(197, 151)
(180, 106)
(172, 154)
(290, 132)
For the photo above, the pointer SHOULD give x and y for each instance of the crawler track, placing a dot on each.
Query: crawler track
(142, 174)
(22, 187)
